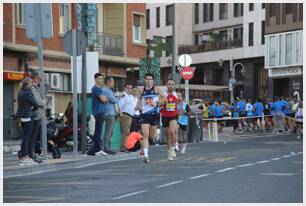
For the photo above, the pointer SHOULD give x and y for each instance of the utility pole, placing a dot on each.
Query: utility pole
(84, 81)
(173, 42)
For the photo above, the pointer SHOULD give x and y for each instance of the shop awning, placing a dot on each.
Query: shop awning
(13, 76)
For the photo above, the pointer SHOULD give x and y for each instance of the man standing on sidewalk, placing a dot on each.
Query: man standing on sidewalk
(97, 103)
(37, 114)
(127, 106)
(110, 113)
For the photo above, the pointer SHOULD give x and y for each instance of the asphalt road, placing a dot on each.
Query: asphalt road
(261, 169)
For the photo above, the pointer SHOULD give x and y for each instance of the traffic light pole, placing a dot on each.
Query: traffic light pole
(173, 43)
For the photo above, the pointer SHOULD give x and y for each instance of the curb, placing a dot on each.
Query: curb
(69, 164)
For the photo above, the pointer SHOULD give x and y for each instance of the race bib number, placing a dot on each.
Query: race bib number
(170, 106)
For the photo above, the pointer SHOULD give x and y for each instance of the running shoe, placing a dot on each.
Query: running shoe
(170, 156)
(176, 147)
(145, 159)
(183, 150)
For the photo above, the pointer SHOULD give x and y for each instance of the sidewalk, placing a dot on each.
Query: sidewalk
(11, 166)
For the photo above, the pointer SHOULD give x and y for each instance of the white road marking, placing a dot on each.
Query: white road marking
(129, 194)
(226, 169)
(245, 165)
(278, 174)
(276, 158)
(170, 183)
(286, 155)
(199, 176)
(260, 162)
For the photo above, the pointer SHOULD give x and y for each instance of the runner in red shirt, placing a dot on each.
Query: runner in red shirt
(169, 113)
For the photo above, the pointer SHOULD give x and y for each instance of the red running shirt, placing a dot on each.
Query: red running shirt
(170, 108)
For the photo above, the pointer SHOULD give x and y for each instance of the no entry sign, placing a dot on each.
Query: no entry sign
(187, 73)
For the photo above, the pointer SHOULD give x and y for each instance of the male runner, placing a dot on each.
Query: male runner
(150, 116)
(169, 113)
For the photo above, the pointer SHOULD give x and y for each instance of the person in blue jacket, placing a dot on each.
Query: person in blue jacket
(259, 111)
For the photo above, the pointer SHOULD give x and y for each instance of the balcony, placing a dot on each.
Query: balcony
(209, 46)
(108, 44)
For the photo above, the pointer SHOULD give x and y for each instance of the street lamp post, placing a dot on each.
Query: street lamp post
(173, 42)
(232, 80)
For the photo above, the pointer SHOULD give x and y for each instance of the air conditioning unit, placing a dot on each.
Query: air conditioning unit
(55, 81)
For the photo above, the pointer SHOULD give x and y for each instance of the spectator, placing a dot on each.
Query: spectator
(136, 117)
(98, 110)
(134, 140)
(242, 113)
(69, 114)
(37, 115)
(235, 114)
(110, 113)
(299, 120)
(26, 105)
(259, 111)
(127, 106)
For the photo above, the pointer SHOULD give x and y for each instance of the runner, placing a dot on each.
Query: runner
(183, 109)
(150, 116)
(169, 117)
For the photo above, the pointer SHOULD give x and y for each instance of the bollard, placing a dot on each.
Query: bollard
(209, 131)
(215, 137)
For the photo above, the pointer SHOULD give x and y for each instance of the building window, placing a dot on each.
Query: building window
(272, 50)
(251, 7)
(208, 12)
(272, 10)
(137, 31)
(148, 18)
(263, 32)
(64, 18)
(299, 48)
(20, 14)
(157, 17)
(222, 11)
(238, 34)
(251, 34)
(196, 13)
(196, 39)
(169, 44)
(288, 8)
(169, 14)
(223, 35)
(238, 10)
(288, 49)
(263, 6)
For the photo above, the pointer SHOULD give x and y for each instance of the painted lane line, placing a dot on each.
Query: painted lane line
(129, 194)
(199, 176)
(245, 165)
(170, 183)
(286, 155)
(299, 153)
(261, 162)
(275, 158)
(226, 169)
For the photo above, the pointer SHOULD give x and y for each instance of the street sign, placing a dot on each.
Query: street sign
(232, 81)
(38, 20)
(185, 60)
(187, 73)
(80, 42)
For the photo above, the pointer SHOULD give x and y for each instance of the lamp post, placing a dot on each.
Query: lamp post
(233, 79)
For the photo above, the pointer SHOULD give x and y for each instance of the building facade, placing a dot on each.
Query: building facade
(213, 34)
(284, 51)
(119, 39)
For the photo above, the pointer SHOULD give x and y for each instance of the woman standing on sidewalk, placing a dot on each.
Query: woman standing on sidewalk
(26, 105)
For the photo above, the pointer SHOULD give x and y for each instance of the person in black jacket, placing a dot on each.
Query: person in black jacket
(26, 105)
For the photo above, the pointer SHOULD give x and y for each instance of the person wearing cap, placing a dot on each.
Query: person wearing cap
(37, 114)
(25, 113)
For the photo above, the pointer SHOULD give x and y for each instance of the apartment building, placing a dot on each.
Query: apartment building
(213, 34)
(284, 51)
(118, 36)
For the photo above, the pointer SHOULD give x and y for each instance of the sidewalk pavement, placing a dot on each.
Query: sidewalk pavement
(11, 166)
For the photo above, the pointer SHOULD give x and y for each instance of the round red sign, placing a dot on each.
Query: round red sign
(187, 73)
